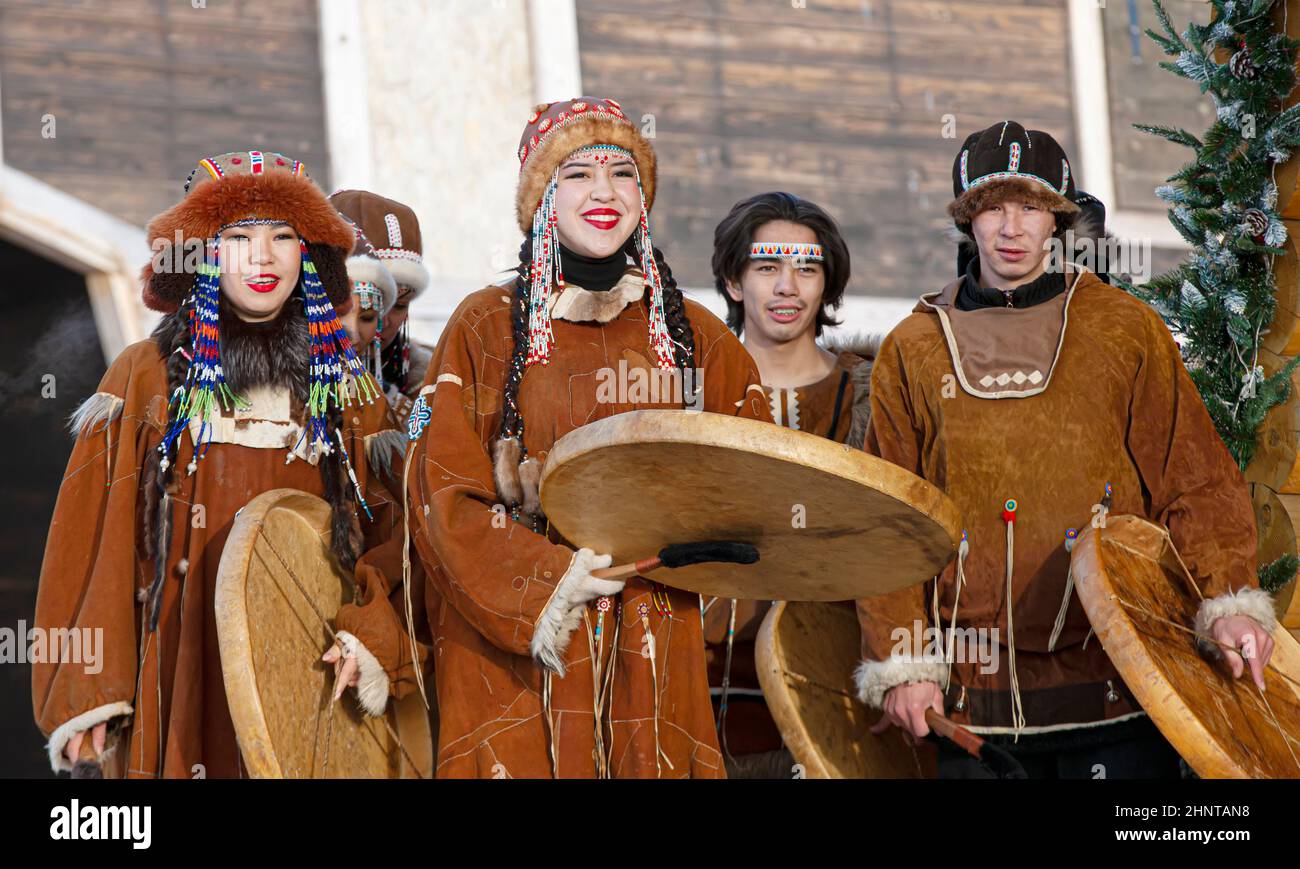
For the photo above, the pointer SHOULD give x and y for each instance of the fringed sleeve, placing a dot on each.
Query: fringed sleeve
(85, 639)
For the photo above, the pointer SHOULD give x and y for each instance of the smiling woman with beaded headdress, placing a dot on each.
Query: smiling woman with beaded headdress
(247, 384)
(520, 652)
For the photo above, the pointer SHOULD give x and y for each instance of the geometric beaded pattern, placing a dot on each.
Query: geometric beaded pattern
(786, 250)
(394, 230)
(575, 112)
(1019, 378)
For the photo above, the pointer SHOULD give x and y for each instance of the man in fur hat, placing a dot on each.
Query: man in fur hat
(1028, 418)
(781, 265)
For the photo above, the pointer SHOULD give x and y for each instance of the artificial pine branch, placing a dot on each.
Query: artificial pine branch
(1224, 203)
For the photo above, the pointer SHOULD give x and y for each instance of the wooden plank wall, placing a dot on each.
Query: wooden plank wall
(1143, 93)
(841, 101)
(142, 89)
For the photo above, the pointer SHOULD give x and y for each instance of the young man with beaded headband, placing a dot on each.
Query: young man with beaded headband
(781, 265)
(542, 669)
(1039, 400)
(247, 384)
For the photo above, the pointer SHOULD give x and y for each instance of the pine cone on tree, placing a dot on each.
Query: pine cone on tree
(1241, 66)
(1255, 223)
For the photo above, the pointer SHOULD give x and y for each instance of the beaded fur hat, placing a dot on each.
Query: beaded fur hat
(393, 229)
(1008, 160)
(244, 185)
(556, 130)
(261, 187)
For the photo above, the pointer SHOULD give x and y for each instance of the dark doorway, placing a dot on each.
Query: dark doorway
(50, 360)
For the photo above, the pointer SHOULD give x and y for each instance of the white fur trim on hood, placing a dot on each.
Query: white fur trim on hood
(372, 688)
(875, 678)
(1246, 601)
(85, 721)
(406, 271)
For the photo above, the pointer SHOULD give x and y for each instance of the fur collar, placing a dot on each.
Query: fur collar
(864, 344)
(254, 354)
(266, 354)
(584, 306)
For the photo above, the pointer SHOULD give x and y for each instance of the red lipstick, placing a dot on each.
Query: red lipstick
(602, 218)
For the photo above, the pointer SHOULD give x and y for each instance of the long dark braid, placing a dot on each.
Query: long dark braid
(679, 324)
(345, 539)
(512, 418)
(172, 338)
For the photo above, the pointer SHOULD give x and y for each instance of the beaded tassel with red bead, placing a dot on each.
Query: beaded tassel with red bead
(546, 261)
(660, 341)
(204, 387)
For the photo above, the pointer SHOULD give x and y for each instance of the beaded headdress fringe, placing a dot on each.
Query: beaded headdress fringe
(337, 376)
(547, 270)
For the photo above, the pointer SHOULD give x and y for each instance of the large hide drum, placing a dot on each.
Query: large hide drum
(276, 598)
(805, 654)
(1142, 603)
(830, 522)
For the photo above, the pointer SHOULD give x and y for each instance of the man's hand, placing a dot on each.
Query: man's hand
(1250, 641)
(347, 672)
(98, 736)
(905, 707)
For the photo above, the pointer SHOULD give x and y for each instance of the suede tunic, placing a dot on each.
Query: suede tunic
(1118, 408)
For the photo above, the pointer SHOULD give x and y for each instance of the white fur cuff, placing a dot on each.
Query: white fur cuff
(564, 611)
(1253, 602)
(85, 721)
(875, 678)
(372, 688)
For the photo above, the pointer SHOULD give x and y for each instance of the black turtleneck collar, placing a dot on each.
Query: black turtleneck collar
(596, 275)
(971, 296)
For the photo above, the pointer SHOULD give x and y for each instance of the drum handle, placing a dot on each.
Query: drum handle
(954, 732)
(629, 570)
(997, 759)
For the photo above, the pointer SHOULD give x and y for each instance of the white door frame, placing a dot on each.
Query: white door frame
(71, 233)
(1091, 95)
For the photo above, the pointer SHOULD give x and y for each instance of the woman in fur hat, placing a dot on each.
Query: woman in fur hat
(374, 294)
(394, 230)
(247, 384)
(542, 669)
